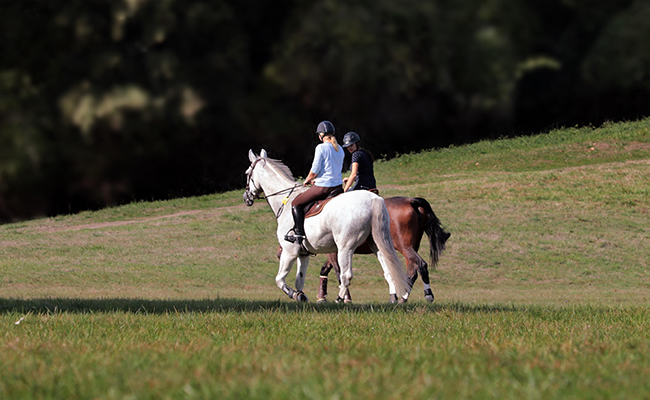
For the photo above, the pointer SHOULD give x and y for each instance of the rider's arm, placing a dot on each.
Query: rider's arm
(354, 169)
(310, 178)
(316, 165)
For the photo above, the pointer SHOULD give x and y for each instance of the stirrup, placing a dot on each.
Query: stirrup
(294, 238)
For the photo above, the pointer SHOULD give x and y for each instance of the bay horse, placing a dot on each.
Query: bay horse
(410, 218)
(344, 223)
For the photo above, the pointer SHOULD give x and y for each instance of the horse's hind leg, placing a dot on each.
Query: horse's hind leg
(348, 297)
(344, 258)
(392, 291)
(424, 271)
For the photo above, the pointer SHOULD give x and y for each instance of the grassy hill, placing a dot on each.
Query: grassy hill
(543, 291)
(554, 218)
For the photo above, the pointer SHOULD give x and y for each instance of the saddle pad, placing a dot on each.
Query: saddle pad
(316, 207)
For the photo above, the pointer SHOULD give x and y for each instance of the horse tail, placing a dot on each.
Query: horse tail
(382, 239)
(433, 228)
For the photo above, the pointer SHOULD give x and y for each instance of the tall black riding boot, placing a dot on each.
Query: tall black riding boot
(299, 225)
(299, 222)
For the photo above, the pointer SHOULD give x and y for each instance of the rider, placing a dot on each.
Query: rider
(362, 172)
(325, 174)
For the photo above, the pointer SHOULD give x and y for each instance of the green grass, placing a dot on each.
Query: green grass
(273, 350)
(543, 291)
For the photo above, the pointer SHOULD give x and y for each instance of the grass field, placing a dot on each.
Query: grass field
(543, 291)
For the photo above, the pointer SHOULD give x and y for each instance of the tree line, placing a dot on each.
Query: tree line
(104, 102)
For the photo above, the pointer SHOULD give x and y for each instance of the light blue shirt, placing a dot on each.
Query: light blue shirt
(328, 165)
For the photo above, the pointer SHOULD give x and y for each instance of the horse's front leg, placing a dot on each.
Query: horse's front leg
(344, 258)
(286, 263)
(331, 262)
(415, 263)
(324, 271)
(301, 271)
(412, 264)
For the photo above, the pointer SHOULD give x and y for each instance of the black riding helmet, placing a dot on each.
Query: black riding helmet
(350, 138)
(325, 127)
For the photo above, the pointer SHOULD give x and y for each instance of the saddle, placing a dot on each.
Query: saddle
(313, 209)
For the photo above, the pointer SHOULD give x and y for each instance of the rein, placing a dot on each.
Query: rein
(284, 201)
(290, 190)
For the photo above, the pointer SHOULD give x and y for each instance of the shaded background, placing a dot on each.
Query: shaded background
(107, 102)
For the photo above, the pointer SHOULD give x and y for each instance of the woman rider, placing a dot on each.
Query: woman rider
(325, 174)
(362, 172)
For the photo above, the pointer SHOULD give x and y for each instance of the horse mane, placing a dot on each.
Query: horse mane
(282, 168)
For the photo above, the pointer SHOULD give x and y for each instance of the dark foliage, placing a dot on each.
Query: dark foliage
(106, 102)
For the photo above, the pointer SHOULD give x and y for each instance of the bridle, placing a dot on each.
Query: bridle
(248, 197)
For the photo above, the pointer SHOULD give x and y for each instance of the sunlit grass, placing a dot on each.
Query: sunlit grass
(230, 349)
(556, 149)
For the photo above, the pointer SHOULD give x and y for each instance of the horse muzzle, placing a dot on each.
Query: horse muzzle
(249, 199)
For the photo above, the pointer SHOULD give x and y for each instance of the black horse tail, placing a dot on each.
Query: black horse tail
(432, 227)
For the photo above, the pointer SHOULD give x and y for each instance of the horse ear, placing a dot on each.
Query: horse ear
(251, 156)
(263, 154)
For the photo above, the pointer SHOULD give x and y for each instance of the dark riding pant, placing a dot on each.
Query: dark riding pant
(314, 193)
(298, 207)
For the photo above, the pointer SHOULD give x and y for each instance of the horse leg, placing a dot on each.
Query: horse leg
(414, 264)
(423, 267)
(344, 258)
(332, 262)
(348, 297)
(337, 269)
(391, 286)
(286, 263)
(322, 287)
(301, 271)
(324, 271)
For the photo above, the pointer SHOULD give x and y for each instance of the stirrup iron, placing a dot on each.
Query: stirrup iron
(294, 238)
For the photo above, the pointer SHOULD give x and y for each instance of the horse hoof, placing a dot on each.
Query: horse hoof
(347, 301)
(300, 297)
(428, 295)
(321, 301)
(402, 301)
(429, 298)
(393, 298)
(338, 300)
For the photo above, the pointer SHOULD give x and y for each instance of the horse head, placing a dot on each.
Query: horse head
(253, 191)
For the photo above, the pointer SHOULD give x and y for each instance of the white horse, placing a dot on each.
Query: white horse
(343, 224)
